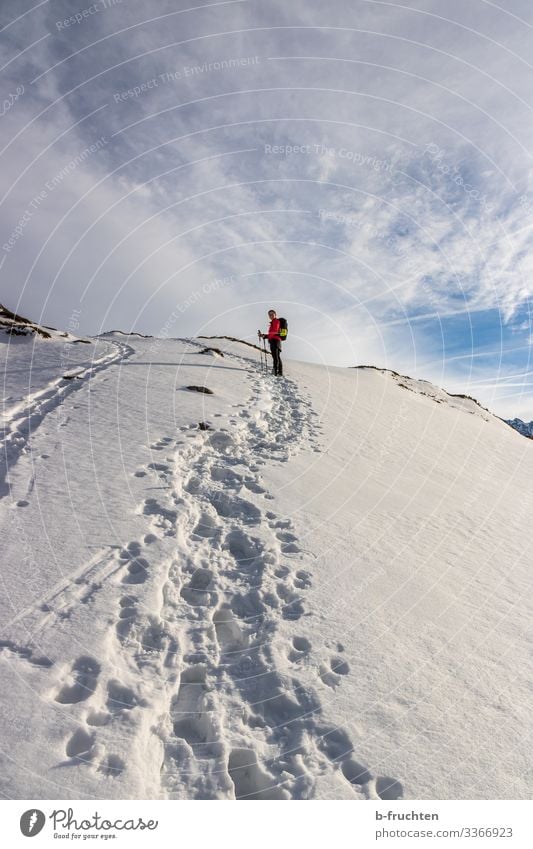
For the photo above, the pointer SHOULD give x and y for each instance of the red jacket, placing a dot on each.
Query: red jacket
(274, 329)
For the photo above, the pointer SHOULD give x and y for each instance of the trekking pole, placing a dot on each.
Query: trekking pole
(260, 337)
(266, 356)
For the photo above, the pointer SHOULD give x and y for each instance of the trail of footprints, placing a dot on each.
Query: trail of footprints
(81, 746)
(206, 666)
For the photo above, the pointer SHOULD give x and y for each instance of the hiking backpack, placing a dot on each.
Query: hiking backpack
(283, 328)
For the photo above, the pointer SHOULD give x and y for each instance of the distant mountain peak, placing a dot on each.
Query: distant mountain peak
(525, 428)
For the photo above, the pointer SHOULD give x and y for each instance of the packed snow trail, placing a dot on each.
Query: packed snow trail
(237, 724)
(198, 685)
(23, 418)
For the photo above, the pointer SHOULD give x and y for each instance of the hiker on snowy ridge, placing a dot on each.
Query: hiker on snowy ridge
(274, 340)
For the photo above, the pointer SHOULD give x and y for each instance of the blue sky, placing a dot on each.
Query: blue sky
(363, 166)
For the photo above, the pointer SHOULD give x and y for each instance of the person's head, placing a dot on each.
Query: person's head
(271, 314)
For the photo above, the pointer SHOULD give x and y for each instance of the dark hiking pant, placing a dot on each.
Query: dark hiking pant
(275, 350)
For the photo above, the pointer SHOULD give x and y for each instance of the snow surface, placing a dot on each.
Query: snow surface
(320, 593)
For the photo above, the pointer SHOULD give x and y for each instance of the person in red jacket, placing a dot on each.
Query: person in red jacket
(274, 340)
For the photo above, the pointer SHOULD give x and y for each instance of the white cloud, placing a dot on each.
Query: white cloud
(371, 233)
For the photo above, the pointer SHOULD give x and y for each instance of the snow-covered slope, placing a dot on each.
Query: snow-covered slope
(298, 588)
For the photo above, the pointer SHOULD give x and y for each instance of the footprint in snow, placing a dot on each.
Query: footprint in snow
(243, 549)
(302, 580)
(158, 446)
(282, 524)
(227, 630)
(127, 616)
(111, 766)
(339, 666)
(221, 441)
(196, 593)
(229, 507)
(330, 673)
(250, 780)
(255, 487)
(80, 744)
(292, 608)
(120, 698)
(81, 681)
(207, 526)
(337, 746)
(189, 711)
(153, 638)
(270, 599)
(290, 547)
(137, 571)
(288, 542)
(389, 789)
(286, 537)
(300, 648)
(226, 476)
(354, 772)
(249, 607)
(98, 718)
(159, 467)
(164, 518)
(301, 644)
(130, 551)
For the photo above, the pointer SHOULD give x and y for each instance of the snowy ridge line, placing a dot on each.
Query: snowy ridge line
(240, 358)
(229, 339)
(16, 325)
(22, 419)
(458, 401)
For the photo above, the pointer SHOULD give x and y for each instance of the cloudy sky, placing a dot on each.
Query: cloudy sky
(363, 166)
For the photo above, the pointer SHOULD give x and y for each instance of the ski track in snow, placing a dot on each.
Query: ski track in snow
(201, 689)
(24, 418)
